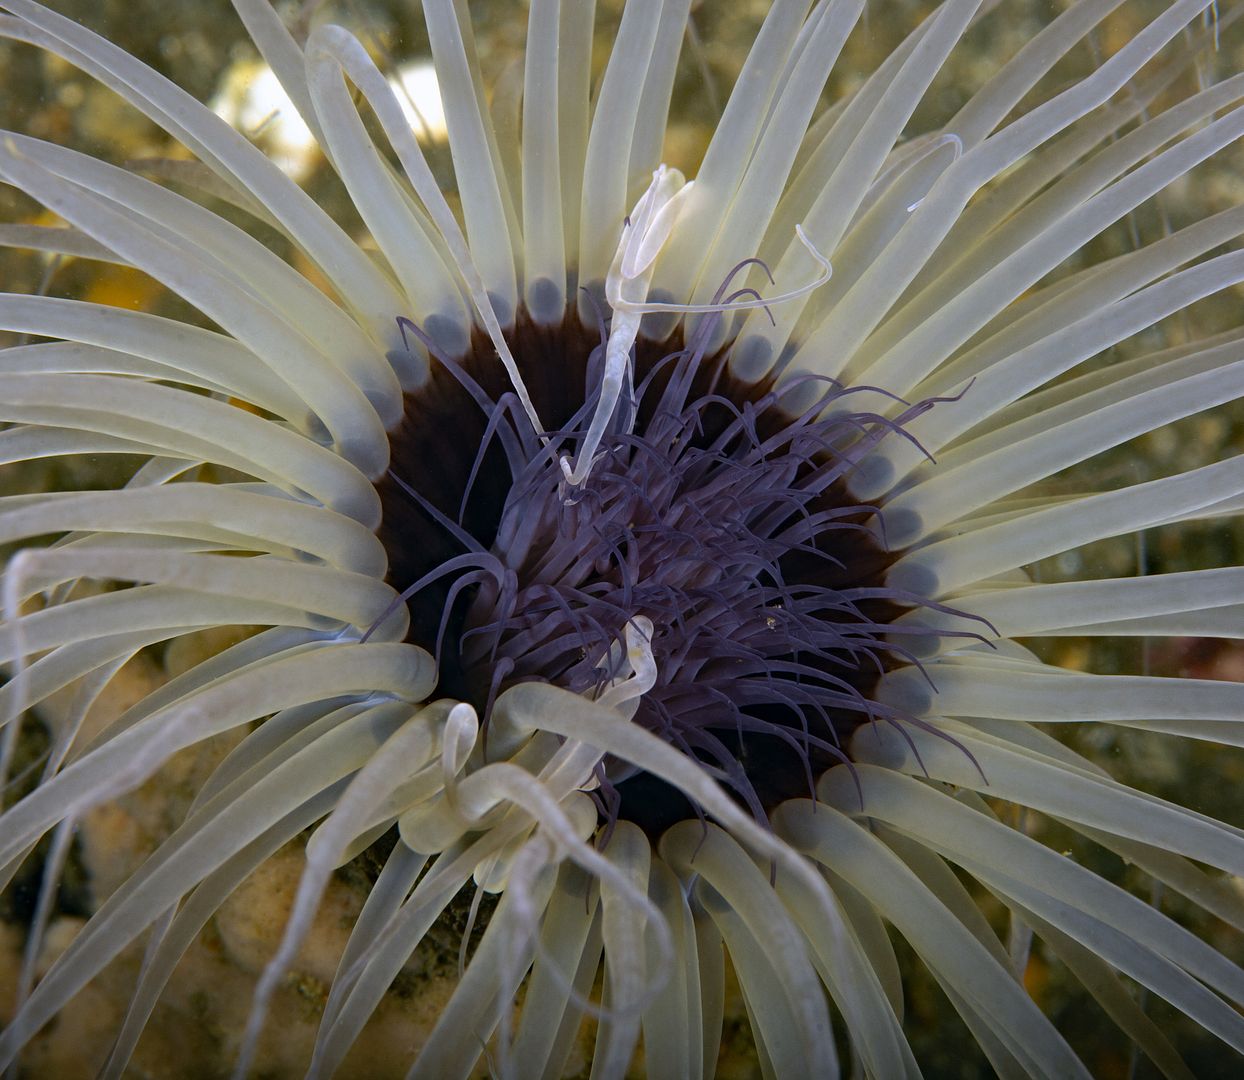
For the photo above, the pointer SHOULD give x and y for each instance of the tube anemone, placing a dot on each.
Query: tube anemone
(662, 559)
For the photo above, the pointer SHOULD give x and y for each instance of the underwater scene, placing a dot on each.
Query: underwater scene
(621, 538)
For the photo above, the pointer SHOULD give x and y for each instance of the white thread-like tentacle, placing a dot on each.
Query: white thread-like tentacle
(827, 270)
(643, 235)
(626, 289)
(628, 688)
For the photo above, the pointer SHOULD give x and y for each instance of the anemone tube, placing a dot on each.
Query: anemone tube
(743, 686)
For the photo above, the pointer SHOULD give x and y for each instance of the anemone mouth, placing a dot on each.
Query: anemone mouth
(713, 578)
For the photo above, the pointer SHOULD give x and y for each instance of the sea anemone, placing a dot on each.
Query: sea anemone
(649, 556)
